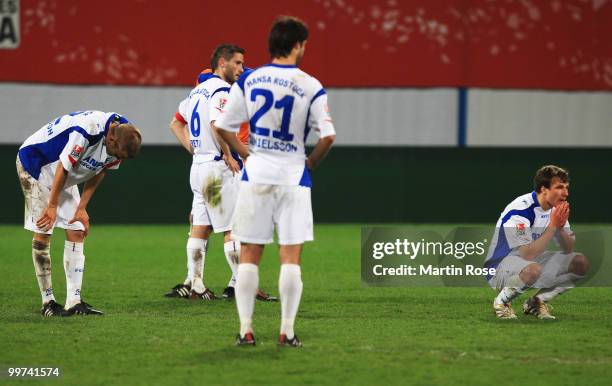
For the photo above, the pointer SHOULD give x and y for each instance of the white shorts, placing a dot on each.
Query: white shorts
(554, 263)
(215, 190)
(261, 207)
(37, 197)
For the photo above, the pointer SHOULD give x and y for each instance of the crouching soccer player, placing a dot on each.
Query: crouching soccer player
(519, 252)
(275, 186)
(72, 149)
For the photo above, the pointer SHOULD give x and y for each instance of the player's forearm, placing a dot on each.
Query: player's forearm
(320, 151)
(231, 139)
(222, 143)
(58, 184)
(537, 247)
(179, 130)
(566, 241)
(89, 188)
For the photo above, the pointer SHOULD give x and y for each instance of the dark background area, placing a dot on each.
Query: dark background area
(356, 184)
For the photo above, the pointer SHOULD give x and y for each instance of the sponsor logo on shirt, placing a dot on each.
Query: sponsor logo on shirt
(75, 154)
(520, 229)
(91, 163)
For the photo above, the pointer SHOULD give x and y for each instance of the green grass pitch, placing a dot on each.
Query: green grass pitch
(352, 335)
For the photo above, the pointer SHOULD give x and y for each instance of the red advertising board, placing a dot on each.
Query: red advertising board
(353, 43)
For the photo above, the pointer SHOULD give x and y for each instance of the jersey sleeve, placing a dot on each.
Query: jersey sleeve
(217, 103)
(73, 150)
(235, 112)
(114, 165)
(518, 231)
(319, 118)
(182, 114)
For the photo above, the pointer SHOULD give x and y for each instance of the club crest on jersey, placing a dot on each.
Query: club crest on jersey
(520, 229)
(75, 154)
(222, 103)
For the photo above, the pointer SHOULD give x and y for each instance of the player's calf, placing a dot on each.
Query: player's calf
(42, 266)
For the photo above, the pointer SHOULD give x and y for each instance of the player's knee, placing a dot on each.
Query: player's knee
(531, 273)
(579, 264)
(75, 236)
(200, 231)
(42, 238)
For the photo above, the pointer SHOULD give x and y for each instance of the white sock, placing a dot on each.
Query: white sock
(196, 253)
(189, 278)
(232, 255)
(507, 294)
(548, 294)
(74, 265)
(290, 290)
(565, 283)
(42, 267)
(247, 282)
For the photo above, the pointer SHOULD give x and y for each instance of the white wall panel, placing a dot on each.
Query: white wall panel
(362, 116)
(395, 116)
(539, 118)
(26, 108)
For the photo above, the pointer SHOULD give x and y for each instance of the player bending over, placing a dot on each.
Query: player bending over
(282, 103)
(519, 252)
(72, 149)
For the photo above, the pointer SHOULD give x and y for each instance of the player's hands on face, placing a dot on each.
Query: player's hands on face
(231, 163)
(560, 214)
(47, 220)
(81, 216)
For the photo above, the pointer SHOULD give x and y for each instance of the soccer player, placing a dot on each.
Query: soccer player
(70, 150)
(519, 252)
(282, 103)
(213, 176)
(182, 290)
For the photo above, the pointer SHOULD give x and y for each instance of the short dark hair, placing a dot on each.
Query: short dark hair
(285, 33)
(225, 51)
(545, 175)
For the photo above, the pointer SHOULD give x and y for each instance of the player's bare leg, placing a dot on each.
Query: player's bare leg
(196, 252)
(290, 289)
(247, 282)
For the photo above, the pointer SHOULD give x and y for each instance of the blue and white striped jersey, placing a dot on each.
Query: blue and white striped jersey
(282, 104)
(202, 106)
(521, 222)
(77, 141)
